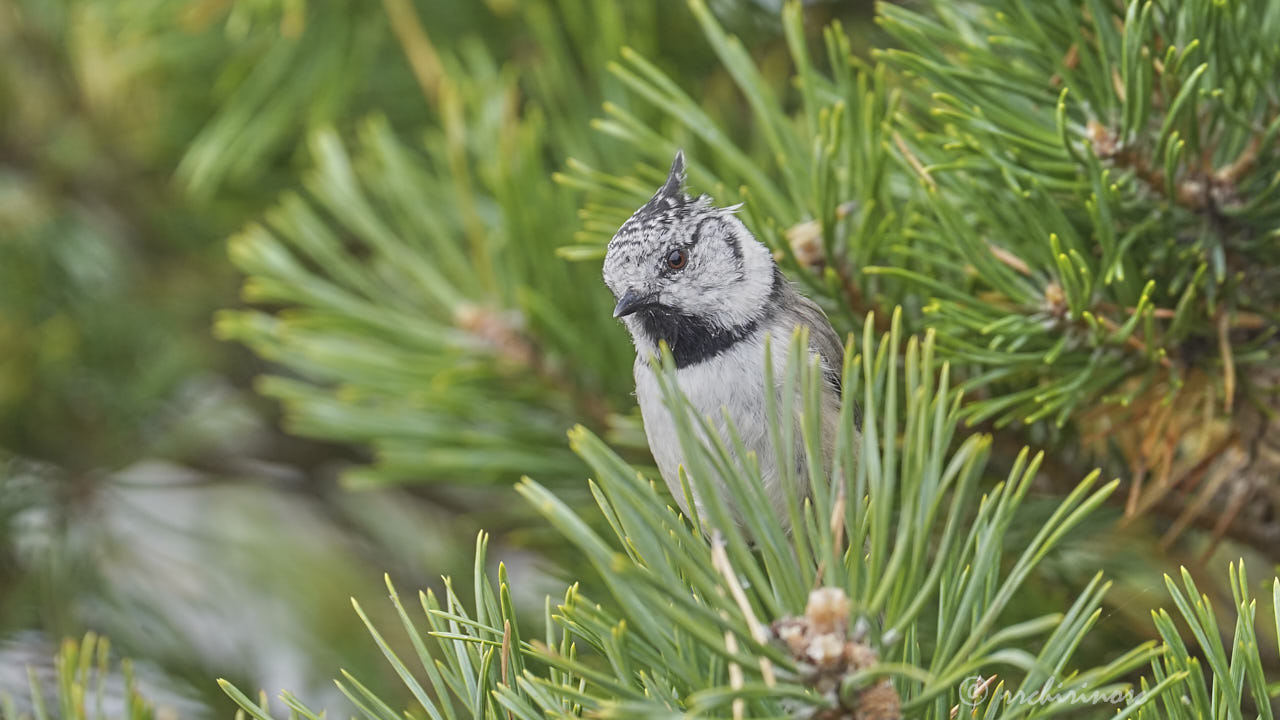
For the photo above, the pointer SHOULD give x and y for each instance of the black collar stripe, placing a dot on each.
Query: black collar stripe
(693, 339)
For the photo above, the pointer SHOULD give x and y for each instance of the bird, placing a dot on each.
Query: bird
(689, 274)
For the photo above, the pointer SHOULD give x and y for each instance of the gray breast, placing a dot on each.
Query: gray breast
(734, 382)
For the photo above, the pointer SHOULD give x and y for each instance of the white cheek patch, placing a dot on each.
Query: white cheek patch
(728, 280)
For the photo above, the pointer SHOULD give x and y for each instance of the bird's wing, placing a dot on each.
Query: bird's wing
(822, 339)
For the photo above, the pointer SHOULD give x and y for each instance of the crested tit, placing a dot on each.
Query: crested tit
(688, 273)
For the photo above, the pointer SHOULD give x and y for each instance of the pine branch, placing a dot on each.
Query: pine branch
(414, 299)
(84, 685)
(396, 349)
(683, 629)
(1151, 174)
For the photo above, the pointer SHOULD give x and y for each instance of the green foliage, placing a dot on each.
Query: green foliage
(822, 179)
(1102, 186)
(377, 342)
(1080, 198)
(1000, 189)
(71, 339)
(90, 237)
(1077, 199)
(289, 67)
(134, 136)
(1236, 681)
(86, 686)
(426, 313)
(903, 531)
(1067, 196)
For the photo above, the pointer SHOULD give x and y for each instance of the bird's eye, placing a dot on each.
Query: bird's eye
(676, 259)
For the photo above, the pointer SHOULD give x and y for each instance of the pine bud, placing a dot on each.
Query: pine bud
(828, 610)
(828, 654)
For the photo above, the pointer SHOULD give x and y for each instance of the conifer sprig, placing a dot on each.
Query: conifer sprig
(85, 684)
(1080, 198)
(1062, 194)
(901, 545)
(396, 343)
(1106, 177)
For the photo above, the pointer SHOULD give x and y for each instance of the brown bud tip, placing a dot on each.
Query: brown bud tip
(859, 656)
(828, 610)
(792, 633)
(825, 650)
(878, 702)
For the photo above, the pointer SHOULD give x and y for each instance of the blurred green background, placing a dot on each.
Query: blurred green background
(146, 490)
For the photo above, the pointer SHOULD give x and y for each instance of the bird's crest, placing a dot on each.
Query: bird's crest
(669, 205)
(669, 196)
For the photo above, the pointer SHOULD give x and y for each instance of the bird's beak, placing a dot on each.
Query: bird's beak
(632, 301)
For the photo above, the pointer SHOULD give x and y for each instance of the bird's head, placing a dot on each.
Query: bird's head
(681, 262)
